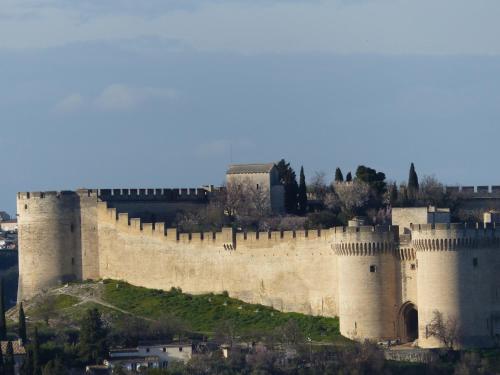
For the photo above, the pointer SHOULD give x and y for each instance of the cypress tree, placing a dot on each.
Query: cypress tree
(339, 177)
(412, 181)
(9, 359)
(302, 196)
(348, 177)
(394, 194)
(37, 367)
(22, 324)
(3, 324)
(289, 181)
(2, 368)
(27, 367)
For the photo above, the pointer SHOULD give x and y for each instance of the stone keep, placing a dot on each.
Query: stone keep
(382, 282)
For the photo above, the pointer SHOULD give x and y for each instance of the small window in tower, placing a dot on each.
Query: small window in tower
(180, 348)
(72, 228)
(413, 267)
(25, 206)
(257, 186)
(73, 261)
(373, 268)
(474, 262)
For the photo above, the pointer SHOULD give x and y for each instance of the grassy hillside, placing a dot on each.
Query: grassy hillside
(199, 314)
(204, 312)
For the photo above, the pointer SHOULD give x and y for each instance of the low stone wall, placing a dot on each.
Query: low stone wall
(414, 355)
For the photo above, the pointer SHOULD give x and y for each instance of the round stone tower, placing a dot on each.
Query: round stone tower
(367, 281)
(456, 279)
(49, 238)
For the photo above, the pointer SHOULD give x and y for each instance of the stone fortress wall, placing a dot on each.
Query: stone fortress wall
(375, 279)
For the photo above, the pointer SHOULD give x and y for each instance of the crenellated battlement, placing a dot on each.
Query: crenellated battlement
(180, 194)
(226, 236)
(365, 240)
(481, 191)
(454, 236)
(45, 194)
(115, 195)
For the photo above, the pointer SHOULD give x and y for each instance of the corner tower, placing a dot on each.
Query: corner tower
(367, 281)
(457, 278)
(49, 240)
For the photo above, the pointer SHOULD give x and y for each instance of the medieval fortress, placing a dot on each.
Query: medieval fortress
(383, 282)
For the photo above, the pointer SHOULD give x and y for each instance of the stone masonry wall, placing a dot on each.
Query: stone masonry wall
(290, 274)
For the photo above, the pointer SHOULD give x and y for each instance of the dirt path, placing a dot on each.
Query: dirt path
(85, 293)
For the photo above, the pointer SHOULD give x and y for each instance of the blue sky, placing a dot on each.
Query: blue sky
(157, 93)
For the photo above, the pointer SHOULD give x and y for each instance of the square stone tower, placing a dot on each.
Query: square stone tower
(263, 177)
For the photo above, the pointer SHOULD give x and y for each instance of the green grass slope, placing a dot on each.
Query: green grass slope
(203, 314)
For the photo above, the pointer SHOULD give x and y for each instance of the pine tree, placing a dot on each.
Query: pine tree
(22, 324)
(339, 177)
(37, 366)
(412, 182)
(302, 195)
(348, 177)
(3, 324)
(92, 337)
(9, 359)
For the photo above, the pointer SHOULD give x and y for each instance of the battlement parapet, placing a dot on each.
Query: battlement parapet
(228, 236)
(454, 236)
(45, 194)
(181, 194)
(115, 195)
(365, 240)
(481, 191)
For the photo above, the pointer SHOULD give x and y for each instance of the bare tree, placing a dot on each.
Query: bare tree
(318, 187)
(291, 334)
(225, 333)
(257, 199)
(229, 198)
(352, 196)
(431, 191)
(243, 199)
(447, 331)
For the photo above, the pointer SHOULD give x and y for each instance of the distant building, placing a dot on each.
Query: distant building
(264, 177)
(19, 353)
(404, 216)
(145, 356)
(491, 217)
(8, 225)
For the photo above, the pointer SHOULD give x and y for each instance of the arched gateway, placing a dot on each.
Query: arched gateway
(408, 322)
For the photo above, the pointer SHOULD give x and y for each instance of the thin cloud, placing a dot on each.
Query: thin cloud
(119, 97)
(115, 98)
(69, 104)
(337, 26)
